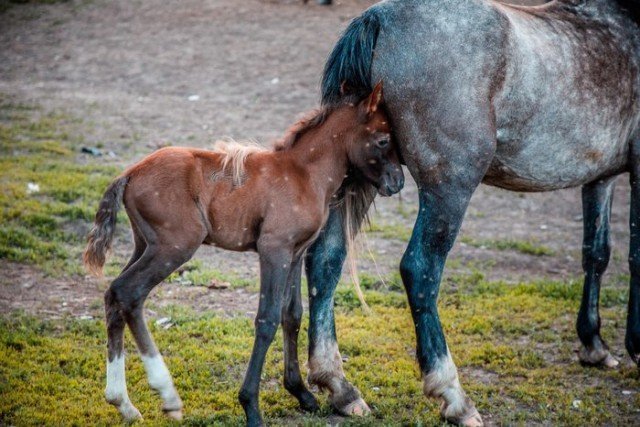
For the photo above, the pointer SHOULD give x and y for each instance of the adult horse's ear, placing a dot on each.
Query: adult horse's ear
(375, 99)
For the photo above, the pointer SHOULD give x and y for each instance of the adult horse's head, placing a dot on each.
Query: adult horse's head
(371, 148)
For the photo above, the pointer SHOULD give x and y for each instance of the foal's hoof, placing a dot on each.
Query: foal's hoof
(174, 415)
(357, 408)
(467, 417)
(130, 413)
(308, 403)
(597, 357)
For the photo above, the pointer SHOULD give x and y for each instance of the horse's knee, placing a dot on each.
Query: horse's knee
(421, 283)
(265, 329)
(292, 317)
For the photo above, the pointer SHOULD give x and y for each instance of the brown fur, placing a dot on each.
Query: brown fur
(283, 195)
(238, 198)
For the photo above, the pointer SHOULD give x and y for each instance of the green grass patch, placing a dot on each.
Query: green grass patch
(47, 197)
(390, 230)
(528, 247)
(513, 345)
(194, 273)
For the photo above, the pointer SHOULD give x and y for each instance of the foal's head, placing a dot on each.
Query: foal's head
(370, 147)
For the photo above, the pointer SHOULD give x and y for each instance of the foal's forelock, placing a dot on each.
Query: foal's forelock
(235, 156)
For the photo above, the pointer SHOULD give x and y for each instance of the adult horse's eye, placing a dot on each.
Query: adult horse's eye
(383, 143)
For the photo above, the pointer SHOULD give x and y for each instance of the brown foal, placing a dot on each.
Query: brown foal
(239, 198)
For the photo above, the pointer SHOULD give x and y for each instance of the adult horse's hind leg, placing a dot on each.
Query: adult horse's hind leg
(632, 338)
(323, 267)
(596, 249)
(291, 318)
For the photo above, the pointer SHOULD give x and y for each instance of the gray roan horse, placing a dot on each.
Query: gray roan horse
(522, 98)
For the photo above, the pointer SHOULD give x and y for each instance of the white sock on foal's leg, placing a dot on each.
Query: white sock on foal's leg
(160, 380)
(116, 390)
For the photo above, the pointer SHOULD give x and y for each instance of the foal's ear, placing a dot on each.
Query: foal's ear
(375, 99)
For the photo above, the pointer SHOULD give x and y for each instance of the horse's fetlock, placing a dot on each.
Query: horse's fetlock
(115, 398)
(245, 397)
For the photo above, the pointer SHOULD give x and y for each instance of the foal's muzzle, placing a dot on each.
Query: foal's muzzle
(391, 182)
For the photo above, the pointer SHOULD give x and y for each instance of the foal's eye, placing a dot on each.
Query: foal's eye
(383, 143)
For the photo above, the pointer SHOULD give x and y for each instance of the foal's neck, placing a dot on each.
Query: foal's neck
(322, 152)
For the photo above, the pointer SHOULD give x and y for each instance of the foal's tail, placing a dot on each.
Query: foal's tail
(101, 235)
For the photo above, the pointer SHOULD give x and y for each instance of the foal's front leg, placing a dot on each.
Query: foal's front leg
(275, 264)
(291, 318)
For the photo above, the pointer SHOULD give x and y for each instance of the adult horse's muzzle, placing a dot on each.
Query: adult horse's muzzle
(391, 181)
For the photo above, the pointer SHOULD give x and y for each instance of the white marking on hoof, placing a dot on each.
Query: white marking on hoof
(129, 412)
(175, 415)
(442, 382)
(160, 380)
(610, 362)
(358, 408)
(325, 366)
(597, 357)
(116, 391)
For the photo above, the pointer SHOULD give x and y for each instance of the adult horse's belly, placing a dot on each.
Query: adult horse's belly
(566, 111)
(552, 157)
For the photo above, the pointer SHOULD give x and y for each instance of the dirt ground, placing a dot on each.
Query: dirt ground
(142, 74)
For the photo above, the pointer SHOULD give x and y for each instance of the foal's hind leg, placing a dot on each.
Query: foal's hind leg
(116, 390)
(632, 338)
(291, 317)
(596, 206)
(125, 298)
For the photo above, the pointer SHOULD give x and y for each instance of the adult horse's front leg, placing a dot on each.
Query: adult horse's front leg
(447, 166)
(632, 338)
(596, 249)
(324, 266)
(421, 268)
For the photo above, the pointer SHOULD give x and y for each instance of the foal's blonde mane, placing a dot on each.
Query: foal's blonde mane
(235, 156)
(236, 153)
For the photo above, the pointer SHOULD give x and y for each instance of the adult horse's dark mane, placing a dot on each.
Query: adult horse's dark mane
(350, 61)
(632, 7)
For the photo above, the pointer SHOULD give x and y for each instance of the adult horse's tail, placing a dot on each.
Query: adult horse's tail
(347, 72)
(349, 64)
(101, 235)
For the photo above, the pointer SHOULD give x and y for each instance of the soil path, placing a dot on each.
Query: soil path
(142, 74)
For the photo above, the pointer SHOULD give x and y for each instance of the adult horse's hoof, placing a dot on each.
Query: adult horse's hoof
(174, 415)
(468, 417)
(357, 408)
(597, 357)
